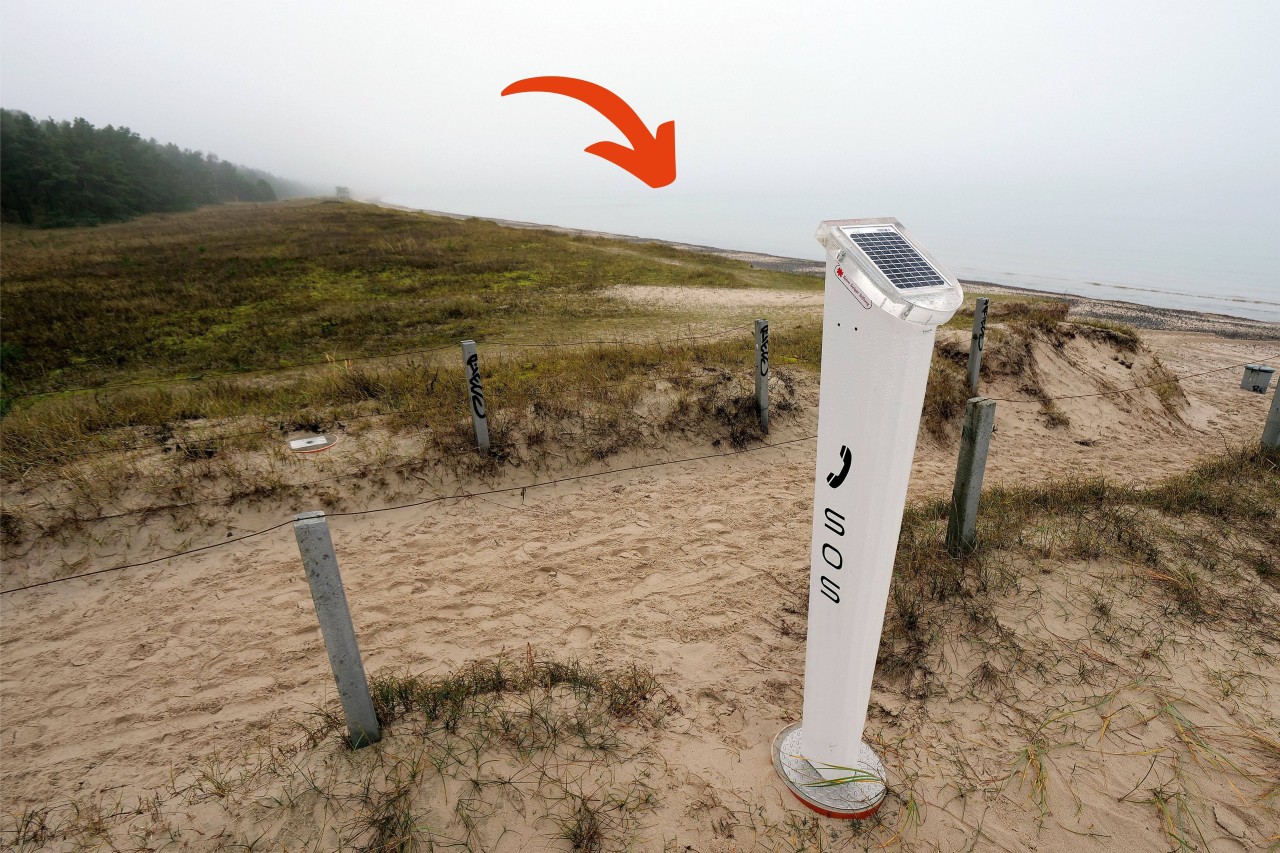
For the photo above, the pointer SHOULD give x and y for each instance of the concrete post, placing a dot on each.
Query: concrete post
(762, 372)
(975, 441)
(321, 565)
(1271, 432)
(978, 342)
(475, 393)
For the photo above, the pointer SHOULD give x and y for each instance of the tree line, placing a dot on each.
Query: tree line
(57, 173)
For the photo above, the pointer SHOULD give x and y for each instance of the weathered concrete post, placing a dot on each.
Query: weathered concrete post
(762, 372)
(1271, 432)
(475, 392)
(321, 565)
(975, 441)
(978, 342)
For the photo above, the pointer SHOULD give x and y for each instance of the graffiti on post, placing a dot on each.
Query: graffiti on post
(473, 380)
(764, 350)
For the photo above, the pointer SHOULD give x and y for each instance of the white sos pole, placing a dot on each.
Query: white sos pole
(885, 297)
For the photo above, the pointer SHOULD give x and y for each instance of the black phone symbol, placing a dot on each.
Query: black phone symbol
(846, 459)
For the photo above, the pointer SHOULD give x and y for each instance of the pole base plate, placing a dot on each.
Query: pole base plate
(847, 801)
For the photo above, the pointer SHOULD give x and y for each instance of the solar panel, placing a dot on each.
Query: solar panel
(897, 259)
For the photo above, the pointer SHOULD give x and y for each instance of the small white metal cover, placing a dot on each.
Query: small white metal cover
(312, 443)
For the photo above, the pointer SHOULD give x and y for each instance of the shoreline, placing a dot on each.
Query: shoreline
(1148, 317)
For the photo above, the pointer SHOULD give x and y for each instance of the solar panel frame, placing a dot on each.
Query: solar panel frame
(905, 267)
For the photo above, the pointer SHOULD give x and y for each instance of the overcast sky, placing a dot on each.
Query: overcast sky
(874, 107)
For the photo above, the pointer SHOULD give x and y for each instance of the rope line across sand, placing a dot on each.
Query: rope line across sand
(391, 412)
(461, 496)
(1171, 381)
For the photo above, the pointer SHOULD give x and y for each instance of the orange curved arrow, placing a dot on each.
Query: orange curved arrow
(651, 158)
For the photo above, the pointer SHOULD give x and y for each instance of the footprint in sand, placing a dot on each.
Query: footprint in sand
(558, 577)
(27, 735)
(371, 615)
(651, 583)
(472, 611)
(69, 695)
(250, 656)
(148, 649)
(723, 715)
(197, 630)
(579, 635)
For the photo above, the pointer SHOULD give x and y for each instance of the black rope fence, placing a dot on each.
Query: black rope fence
(1173, 380)
(267, 428)
(464, 495)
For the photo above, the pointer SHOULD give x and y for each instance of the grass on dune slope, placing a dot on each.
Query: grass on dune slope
(254, 287)
(239, 287)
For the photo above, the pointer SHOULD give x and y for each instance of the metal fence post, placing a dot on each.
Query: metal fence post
(762, 372)
(1271, 432)
(978, 342)
(975, 441)
(321, 565)
(475, 393)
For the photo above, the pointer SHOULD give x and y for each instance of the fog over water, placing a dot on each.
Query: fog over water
(1196, 261)
(1123, 150)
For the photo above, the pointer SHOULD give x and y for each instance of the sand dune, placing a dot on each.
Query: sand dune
(112, 682)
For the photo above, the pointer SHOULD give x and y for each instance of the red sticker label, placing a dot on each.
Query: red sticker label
(853, 288)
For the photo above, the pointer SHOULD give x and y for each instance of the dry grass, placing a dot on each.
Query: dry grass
(250, 287)
(1079, 617)
(171, 446)
(522, 744)
(241, 287)
(405, 395)
(1213, 575)
(203, 310)
(71, 461)
(1012, 310)
(1017, 327)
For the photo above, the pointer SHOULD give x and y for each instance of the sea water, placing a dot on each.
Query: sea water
(1222, 258)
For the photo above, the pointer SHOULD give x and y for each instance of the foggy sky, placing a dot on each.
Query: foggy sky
(908, 106)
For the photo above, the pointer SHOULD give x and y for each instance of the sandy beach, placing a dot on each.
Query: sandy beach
(132, 685)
